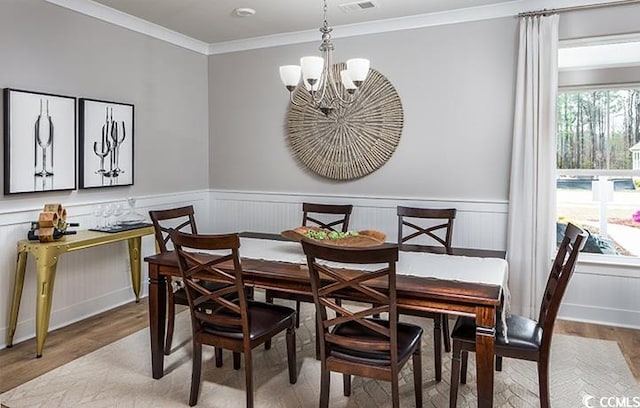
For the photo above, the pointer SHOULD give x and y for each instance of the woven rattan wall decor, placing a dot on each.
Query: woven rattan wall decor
(352, 140)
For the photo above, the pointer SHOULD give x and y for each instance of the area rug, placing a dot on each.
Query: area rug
(119, 375)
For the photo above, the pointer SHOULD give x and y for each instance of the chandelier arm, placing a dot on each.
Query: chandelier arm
(294, 103)
(327, 48)
(339, 97)
(322, 91)
(332, 80)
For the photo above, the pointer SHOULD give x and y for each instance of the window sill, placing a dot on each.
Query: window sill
(609, 265)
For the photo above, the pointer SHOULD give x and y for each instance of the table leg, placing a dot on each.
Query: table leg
(18, 285)
(157, 318)
(135, 245)
(46, 263)
(485, 343)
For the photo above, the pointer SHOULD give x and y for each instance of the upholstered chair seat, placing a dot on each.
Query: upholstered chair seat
(522, 333)
(408, 337)
(264, 320)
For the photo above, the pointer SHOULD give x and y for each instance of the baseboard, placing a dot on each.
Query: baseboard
(72, 314)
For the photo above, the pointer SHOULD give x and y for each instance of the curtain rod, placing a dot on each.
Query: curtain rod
(546, 12)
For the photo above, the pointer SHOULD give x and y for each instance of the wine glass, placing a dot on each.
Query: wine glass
(131, 216)
(108, 211)
(98, 210)
(118, 210)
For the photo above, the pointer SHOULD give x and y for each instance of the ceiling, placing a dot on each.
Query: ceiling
(213, 21)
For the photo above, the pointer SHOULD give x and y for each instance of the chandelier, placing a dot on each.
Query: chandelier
(318, 78)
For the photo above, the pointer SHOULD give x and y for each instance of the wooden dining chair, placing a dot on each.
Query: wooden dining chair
(180, 219)
(434, 234)
(239, 325)
(527, 339)
(352, 342)
(323, 216)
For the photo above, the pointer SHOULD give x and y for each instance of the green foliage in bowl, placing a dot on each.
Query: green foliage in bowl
(322, 235)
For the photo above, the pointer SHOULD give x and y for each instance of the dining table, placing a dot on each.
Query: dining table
(453, 284)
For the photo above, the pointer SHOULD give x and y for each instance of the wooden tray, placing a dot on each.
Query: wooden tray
(365, 238)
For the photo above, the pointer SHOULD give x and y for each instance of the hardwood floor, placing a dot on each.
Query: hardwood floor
(19, 364)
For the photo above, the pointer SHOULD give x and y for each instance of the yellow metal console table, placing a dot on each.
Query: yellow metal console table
(47, 254)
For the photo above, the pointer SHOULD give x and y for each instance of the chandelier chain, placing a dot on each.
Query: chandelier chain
(324, 11)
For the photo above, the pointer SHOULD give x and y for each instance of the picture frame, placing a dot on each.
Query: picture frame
(39, 142)
(106, 143)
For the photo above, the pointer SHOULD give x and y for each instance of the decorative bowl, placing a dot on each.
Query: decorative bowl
(364, 238)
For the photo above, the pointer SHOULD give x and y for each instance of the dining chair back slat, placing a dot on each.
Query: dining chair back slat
(311, 208)
(180, 219)
(328, 292)
(441, 233)
(562, 269)
(196, 267)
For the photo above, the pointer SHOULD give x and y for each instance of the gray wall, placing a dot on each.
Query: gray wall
(51, 49)
(456, 83)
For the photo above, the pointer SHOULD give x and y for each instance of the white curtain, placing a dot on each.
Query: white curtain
(532, 210)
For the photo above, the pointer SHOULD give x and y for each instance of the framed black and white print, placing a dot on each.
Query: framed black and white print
(39, 142)
(106, 144)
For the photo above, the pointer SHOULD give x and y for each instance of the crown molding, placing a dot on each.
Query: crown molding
(491, 11)
(132, 23)
(487, 12)
(374, 27)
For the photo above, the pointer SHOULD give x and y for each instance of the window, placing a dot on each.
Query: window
(598, 166)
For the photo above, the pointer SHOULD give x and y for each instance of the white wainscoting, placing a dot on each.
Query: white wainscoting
(604, 293)
(598, 293)
(87, 282)
(480, 225)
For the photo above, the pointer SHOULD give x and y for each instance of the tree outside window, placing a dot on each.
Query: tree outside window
(598, 184)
